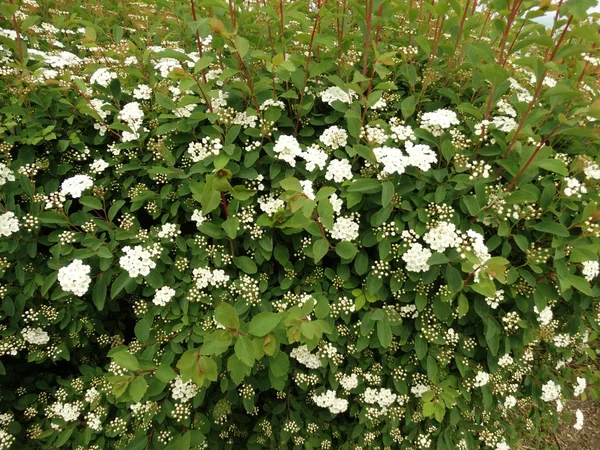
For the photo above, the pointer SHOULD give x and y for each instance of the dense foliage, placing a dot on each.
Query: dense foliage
(274, 224)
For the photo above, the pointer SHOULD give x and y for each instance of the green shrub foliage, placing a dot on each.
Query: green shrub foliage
(308, 225)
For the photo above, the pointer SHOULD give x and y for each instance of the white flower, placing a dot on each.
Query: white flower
(35, 336)
(419, 389)
(592, 171)
(198, 217)
(349, 382)
(442, 236)
(334, 93)
(314, 157)
(68, 411)
(334, 137)
(550, 391)
(103, 77)
(510, 401)
(142, 92)
(6, 174)
(307, 188)
(329, 400)
(75, 185)
(98, 166)
(420, 156)
(336, 202)
(203, 149)
(9, 223)
(137, 261)
(574, 188)
(75, 278)
(270, 103)
(590, 270)
(163, 296)
(545, 316)
(393, 160)
(502, 446)
(287, 149)
(183, 391)
(339, 170)
(133, 116)
(303, 356)
(270, 205)
(481, 379)
(580, 386)
(416, 258)
(345, 229)
(438, 121)
(578, 420)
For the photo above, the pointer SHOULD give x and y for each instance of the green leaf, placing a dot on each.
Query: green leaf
(91, 202)
(245, 264)
(137, 388)
(454, 279)
(120, 283)
(320, 249)
(242, 46)
(227, 315)
(126, 360)
(420, 346)
(231, 226)
(346, 250)
(387, 193)
(237, 369)
(142, 330)
(384, 333)
(263, 323)
(555, 228)
(291, 184)
(244, 350)
(217, 342)
(165, 373)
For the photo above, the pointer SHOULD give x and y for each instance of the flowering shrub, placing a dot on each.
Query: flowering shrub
(296, 225)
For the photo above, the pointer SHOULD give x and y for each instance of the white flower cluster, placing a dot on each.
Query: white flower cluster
(545, 315)
(580, 386)
(137, 261)
(75, 185)
(349, 382)
(287, 149)
(550, 391)
(590, 270)
(395, 161)
(383, 397)
(198, 217)
(339, 170)
(314, 157)
(9, 223)
(330, 401)
(6, 174)
(142, 92)
(510, 401)
(69, 412)
(163, 296)
(399, 132)
(98, 166)
(270, 103)
(421, 156)
(442, 236)
(334, 93)
(478, 247)
(303, 356)
(591, 171)
(35, 336)
(334, 137)
(166, 65)
(419, 389)
(495, 301)
(574, 188)
(168, 231)
(578, 420)
(307, 188)
(270, 205)
(75, 277)
(205, 277)
(562, 340)
(183, 391)
(481, 379)
(133, 116)
(103, 77)
(346, 228)
(437, 121)
(416, 258)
